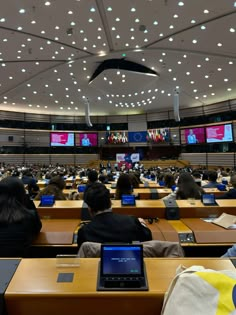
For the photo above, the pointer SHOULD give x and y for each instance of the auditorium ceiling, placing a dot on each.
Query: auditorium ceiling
(118, 56)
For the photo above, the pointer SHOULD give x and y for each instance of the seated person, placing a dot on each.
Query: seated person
(169, 180)
(85, 141)
(231, 252)
(19, 220)
(55, 188)
(123, 186)
(107, 226)
(186, 188)
(31, 183)
(212, 180)
(231, 194)
(92, 178)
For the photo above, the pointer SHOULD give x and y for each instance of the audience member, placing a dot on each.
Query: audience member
(231, 194)
(107, 226)
(55, 188)
(186, 188)
(92, 179)
(19, 220)
(123, 186)
(212, 178)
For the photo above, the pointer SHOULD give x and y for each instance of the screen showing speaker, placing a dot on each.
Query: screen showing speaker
(194, 135)
(161, 135)
(219, 133)
(86, 139)
(62, 139)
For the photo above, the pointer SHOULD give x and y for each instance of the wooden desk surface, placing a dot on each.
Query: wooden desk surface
(41, 294)
(71, 209)
(57, 232)
(206, 232)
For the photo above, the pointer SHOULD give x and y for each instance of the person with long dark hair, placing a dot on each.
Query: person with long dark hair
(19, 220)
(123, 186)
(186, 188)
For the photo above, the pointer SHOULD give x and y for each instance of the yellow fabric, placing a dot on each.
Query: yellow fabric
(225, 286)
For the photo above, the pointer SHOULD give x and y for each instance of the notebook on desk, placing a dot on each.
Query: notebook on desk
(209, 200)
(227, 221)
(122, 268)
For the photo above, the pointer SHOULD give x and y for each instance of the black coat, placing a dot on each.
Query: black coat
(112, 227)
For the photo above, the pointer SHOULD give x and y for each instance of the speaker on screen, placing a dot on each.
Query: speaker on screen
(176, 105)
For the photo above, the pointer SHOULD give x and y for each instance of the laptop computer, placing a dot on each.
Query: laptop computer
(209, 200)
(47, 201)
(122, 268)
(128, 200)
(81, 188)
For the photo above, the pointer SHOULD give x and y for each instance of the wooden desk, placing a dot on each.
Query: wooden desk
(41, 294)
(71, 209)
(57, 232)
(210, 233)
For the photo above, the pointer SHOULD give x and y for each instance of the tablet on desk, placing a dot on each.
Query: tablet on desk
(47, 201)
(209, 200)
(128, 200)
(81, 188)
(122, 268)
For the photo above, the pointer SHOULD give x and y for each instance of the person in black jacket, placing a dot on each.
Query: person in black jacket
(107, 226)
(19, 220)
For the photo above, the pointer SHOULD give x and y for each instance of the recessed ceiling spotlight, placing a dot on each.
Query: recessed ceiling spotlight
(155, 23)
(117, 19)
(19, 28)
(133, 10)
(92, 9)
(206, 11)
(232, 30)
(90, 20)
(109, 9)
(181, 3)
(175, 16)
(203, 27)
(229, 89)
(194, 41)
(193, 21)
(47, 3)
(2, 20)
(231, 63)
(22, 11)
(207, 59)
(70, 12)
(171, 39)
(219, 44)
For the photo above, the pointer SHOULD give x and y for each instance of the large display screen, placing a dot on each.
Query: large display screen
(86, 139)
(62, 139)
(194, 135)
(116, 137)
(160, 135)
(219, 133)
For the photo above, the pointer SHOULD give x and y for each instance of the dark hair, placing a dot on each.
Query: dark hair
(169, 180)
(58, 181)
(134, 180)
(187, 188)
(98, 197)
(12, 200)
(123, 186)
(93, 176)
(212, 176)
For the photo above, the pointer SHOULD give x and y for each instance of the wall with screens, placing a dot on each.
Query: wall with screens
(86, 139)
(62, 139)
(219, 133)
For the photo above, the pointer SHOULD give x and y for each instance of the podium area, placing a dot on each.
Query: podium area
(58, 290)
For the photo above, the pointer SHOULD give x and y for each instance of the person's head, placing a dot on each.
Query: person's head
(134, 180)
(92, 176)
(212, 176)
(85, 136)
(187, 188)
(12, 200)
(233, 180)
(98, 198)
(190, 131)
(58, 181)
(123, 185)
(169, 180)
